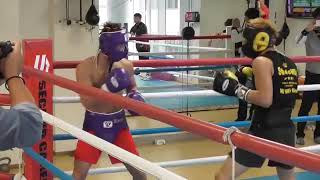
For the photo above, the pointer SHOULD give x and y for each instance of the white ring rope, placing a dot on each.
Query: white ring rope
(178, 94)
(185, 75)
(309, 87)
(111, 149)
(183, 163)
(181, 46)
(170, 53)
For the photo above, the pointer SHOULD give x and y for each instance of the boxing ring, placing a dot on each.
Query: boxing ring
(305, 158)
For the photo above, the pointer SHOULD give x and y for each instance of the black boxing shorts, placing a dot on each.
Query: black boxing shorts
(277, 127)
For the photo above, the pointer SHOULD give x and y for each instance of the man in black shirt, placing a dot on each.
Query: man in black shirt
(137, 30)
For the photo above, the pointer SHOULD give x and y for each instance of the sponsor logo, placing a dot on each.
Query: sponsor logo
(107, 124)
(42, 63)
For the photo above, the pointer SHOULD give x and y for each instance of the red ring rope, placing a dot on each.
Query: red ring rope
(168, 37)
(265, 148)
(190, 62)
(5, 176)
(4, 99)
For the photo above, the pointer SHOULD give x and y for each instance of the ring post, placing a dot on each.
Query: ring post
(38, 54)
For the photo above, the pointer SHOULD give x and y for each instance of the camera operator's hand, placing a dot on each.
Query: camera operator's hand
(311, 26)
(6, 47)
(11, 66)
(13, 63)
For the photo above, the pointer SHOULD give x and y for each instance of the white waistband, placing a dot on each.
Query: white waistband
(108, 114)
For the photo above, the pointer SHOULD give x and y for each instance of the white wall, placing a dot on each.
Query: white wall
(215, 12)
(9, 19)
(213, 15)
(34, 19)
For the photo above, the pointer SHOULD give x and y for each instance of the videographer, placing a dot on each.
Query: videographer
(21, 125)
(310, 37)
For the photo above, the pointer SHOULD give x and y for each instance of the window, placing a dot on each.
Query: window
(161, 17)
(103, 12)
(172, 4)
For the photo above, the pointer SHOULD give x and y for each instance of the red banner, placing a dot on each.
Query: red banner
(38, 54)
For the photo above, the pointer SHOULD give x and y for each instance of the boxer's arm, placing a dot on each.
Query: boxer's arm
(133, 30)
(128, 66)
(83, 77)
(263, 72)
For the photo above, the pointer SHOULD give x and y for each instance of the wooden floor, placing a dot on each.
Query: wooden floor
(179, 150)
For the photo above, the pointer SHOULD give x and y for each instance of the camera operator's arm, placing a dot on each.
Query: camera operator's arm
(12, 66)
(21, 126)
(302, 37)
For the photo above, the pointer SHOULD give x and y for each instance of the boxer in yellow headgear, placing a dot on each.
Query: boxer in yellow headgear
(274, 96)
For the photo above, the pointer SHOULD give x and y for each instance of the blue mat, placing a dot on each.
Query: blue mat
(299, 176)
(181, 103)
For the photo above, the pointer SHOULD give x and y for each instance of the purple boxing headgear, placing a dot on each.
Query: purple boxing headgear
(114, 45)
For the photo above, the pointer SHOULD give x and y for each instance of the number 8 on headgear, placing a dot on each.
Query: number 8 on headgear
(257, 40)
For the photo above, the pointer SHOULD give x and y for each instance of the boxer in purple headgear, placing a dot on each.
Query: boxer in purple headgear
(111, 71)
(114, 44)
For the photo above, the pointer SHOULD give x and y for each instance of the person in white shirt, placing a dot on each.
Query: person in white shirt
(310, 37)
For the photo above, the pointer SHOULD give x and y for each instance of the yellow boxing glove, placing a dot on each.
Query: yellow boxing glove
(231, 75)
(247, 71)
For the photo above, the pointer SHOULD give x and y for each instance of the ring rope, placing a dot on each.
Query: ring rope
(270, 150)
(196, 68)
(178, 163)
(59, 64)
(45, 163)
(170, 164)
(182, 163)
(150, 54)
(149, 131)
(198, 93)
(173, 37)
(181, 46)
(111, 149)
